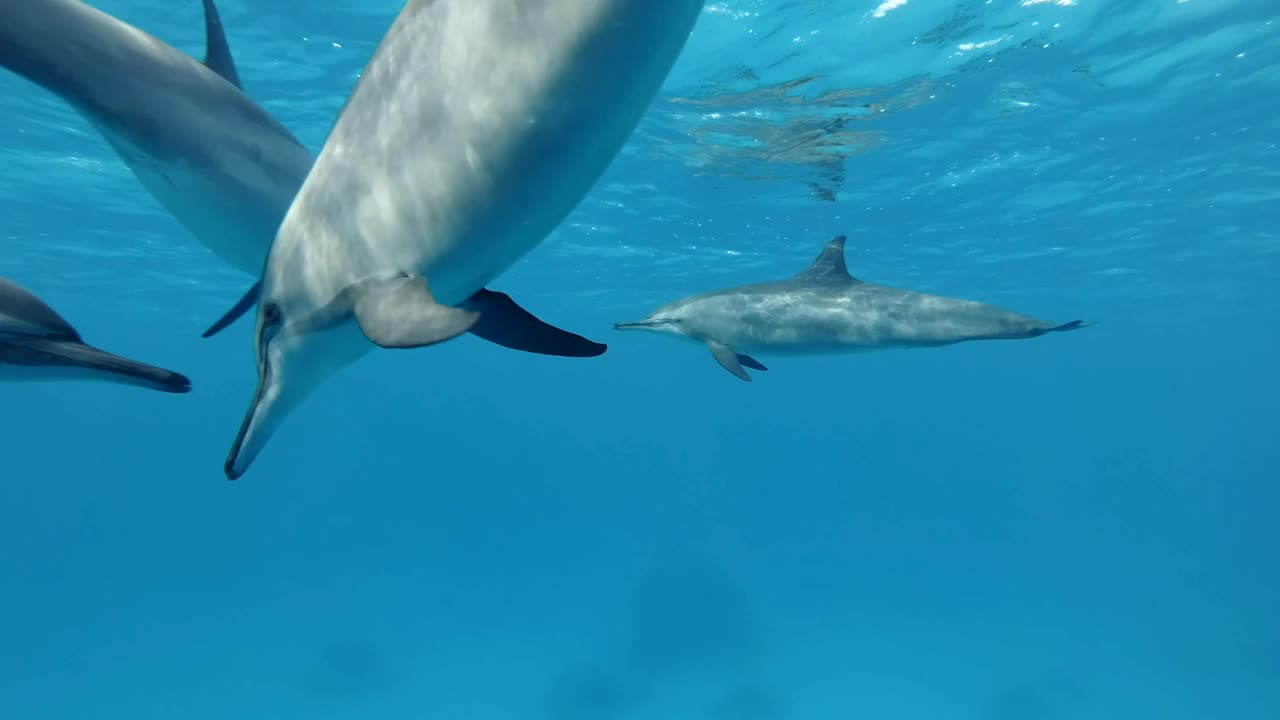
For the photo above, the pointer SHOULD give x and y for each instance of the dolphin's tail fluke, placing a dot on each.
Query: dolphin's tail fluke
(503, 322)
(1045, 329)
(89, 362)
(1073, 325)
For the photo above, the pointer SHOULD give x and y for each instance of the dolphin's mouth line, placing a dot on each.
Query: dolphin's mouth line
(238, 446)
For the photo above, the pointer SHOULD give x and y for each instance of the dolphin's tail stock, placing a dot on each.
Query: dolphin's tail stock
(89, 362)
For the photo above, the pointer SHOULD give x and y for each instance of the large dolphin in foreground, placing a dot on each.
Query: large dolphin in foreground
(826, 310)
(36, 343)
(475, 129)
(211, 156)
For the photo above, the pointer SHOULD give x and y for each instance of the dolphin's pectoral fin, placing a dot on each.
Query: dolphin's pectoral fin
(241, 307)
(217, 53)
(400, 313)
(728, 359)
(505, 323)
(751, 362)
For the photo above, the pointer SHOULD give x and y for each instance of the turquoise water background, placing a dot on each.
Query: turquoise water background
(1078, 526)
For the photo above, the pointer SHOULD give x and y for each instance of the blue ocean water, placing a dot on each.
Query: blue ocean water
(1076, 526)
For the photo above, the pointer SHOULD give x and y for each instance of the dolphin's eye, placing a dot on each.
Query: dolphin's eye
(271, 314)
(272, 318)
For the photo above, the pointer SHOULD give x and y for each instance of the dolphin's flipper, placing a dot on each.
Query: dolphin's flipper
(241, 307)
(70, 354)
(751, 362)
(505, 323)
(401, 313)
(728, 359)
(217, 53)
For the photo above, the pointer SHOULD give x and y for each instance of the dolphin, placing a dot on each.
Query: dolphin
(476, 127)
(216, 160)
(36, 343)
(825, 310)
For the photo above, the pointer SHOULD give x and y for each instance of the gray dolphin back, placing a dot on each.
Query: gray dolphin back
(72, 49)
(58, 45)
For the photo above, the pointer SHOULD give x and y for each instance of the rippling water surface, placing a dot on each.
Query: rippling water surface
(1078, 526)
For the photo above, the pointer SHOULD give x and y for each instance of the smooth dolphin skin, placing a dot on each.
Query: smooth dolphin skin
(215, 159)
(475, 129)
(37, 344)
(825, 310)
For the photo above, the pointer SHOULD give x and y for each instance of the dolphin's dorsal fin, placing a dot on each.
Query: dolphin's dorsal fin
(217, 54)
(829, 265)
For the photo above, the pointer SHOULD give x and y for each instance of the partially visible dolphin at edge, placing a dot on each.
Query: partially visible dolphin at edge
(825, 310)
(36, 343)
(474, 130)
(215, 159)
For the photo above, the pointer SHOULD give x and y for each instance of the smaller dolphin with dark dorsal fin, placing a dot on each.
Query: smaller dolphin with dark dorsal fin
(36, 343)
(825, 310)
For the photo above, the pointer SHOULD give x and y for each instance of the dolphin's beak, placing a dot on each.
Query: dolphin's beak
(265, 413)
(639, 324)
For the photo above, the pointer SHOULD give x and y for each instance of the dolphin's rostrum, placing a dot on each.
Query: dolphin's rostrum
(37, 344)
